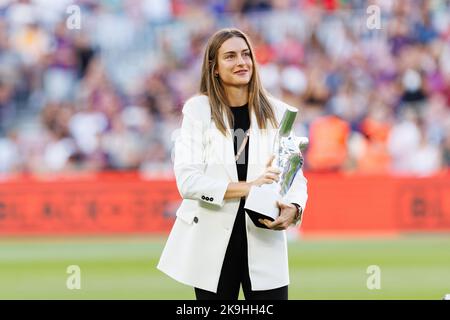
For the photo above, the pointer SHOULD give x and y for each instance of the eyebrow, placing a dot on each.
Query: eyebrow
(235, 51)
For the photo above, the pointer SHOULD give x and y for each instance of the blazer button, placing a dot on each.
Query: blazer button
(211, 199)
(207, 198)
(203, 197)
(195, 219)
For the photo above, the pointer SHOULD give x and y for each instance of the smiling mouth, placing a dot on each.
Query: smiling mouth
(241, 72)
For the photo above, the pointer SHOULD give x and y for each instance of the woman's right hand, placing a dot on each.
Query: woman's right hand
(270, 175)
(237, 190)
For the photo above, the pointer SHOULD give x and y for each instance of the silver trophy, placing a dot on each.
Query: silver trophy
(261, 202)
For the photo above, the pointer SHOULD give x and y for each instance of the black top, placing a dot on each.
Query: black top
(241, 125)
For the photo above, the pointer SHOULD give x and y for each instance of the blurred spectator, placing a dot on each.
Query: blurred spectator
(7, 106)
(446, 151)
(369, 149)
(122, 147)
(109, 96)
(403, 142)
(10, 158)
(328, 147)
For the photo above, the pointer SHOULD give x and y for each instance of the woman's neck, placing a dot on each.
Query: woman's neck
(237, 96)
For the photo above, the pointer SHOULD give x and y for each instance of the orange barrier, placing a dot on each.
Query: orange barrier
(112, 203)
(94, 204)
(376, 204)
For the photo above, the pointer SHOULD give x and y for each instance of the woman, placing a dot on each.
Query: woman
(214, 246)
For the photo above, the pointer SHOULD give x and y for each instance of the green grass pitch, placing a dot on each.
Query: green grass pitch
(412, 267)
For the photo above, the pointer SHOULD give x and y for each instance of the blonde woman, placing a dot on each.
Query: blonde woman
(224, 148)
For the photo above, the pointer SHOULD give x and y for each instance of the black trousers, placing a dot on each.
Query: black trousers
(235, 270)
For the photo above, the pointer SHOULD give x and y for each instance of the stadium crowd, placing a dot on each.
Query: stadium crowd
(107, 95)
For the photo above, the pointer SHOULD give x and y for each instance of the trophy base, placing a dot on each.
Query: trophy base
(261, 203)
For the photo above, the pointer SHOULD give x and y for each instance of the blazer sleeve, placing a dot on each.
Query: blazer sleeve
(298, 194)
(190, 164)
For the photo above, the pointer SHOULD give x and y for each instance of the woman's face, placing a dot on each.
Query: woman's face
(234, 62)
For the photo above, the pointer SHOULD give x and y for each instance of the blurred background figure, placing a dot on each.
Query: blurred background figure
(108, 96)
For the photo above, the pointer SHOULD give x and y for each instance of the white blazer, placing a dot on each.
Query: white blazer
(204, 164)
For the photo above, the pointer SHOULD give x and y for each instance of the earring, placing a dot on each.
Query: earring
(216, 75)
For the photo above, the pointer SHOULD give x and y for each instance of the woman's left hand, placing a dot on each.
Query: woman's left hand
(287, 215)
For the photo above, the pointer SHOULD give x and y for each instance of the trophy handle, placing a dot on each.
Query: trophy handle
(303, 143)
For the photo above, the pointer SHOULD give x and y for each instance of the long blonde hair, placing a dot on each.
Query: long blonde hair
(211, 86)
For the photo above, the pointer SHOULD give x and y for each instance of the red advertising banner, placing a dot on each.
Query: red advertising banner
(102, 204)
(376, 204)
(112, 203)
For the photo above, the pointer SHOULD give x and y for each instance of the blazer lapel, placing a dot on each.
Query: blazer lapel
(230, 162)
(259, 149)
(224, 151)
